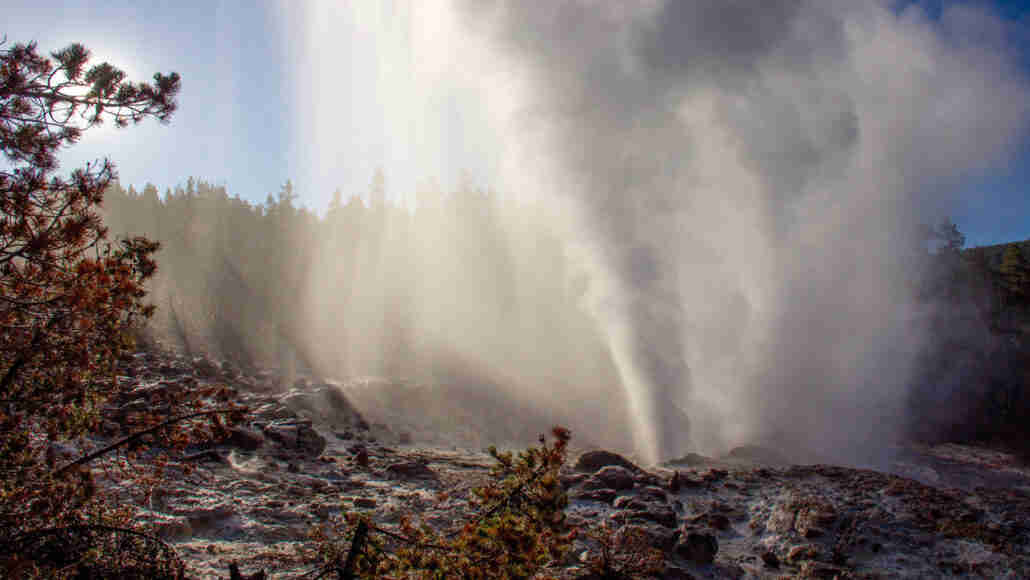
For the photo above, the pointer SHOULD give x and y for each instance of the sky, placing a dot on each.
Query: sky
(994, 207)
(325, 93)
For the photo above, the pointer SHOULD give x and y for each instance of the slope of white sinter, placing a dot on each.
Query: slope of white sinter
(946, 511)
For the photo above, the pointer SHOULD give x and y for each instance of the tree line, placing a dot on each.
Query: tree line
(971, 381)
(368, 288)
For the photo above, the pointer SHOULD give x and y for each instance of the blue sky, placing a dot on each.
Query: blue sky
(994, 207)
(229, 127)
(243, 121)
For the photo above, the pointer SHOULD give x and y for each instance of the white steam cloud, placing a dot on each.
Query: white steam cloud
(749, 174)
(741, 181)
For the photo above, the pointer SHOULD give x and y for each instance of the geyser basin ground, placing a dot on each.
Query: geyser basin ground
(254, 504)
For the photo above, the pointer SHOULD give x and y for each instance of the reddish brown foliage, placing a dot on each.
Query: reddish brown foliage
(69, 299)
(518, 529)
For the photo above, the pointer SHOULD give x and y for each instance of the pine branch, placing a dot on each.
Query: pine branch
(136, 436)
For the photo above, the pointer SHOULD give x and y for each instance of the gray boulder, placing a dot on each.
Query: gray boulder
(296, 435)
(698, 547)
(615, 477)
(594, 460)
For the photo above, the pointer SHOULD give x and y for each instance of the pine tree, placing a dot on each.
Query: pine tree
(67, 293)
(1015, 273)
(69, 299)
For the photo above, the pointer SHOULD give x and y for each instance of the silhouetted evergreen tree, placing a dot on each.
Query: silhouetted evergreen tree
(1015, 275)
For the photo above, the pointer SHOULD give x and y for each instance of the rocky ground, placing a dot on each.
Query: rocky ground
(308, 452)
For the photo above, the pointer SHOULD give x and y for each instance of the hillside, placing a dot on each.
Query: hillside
(994, 253)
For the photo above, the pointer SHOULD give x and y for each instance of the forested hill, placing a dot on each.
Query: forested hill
(997, 278)
(996, 252)
(1006, 267)
(972, 379)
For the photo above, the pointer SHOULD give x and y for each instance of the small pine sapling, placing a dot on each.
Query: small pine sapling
(517, 530)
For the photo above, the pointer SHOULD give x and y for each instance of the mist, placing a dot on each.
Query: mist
(746, 180)
(687, 226)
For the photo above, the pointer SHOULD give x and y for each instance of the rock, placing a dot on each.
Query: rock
(325, 401)
(364, 502)
(311, 442)
(321, 510)
(812, 569)
(798, 554)
(297, 401)
(207, 516)
(410, 470)
(61, 452)
(627, 502)
(230, 370)
(603, 495)
(714, 521)
(713, 475)
(273, 412)
(283, 433)
(719, 522)
(361, 457)
(206, 456)
(661, 516)
(570, 480)
(646, 479)
(296, 435)
(675, 573)
(658, 537)
(771, 559)
(809, 516)
(615, 477)
(758, 454)
(595, 460)
(245, 439)
(653, 493)
(169, 527)
(689, 460)
(235, 574)
(204, 367)
(781, 520)
(680, 481)
(814, 519)
(698, 547)
(259, 385)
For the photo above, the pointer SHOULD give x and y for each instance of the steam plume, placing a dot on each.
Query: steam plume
(744, 178)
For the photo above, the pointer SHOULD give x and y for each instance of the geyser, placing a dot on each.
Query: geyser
(738, 186)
